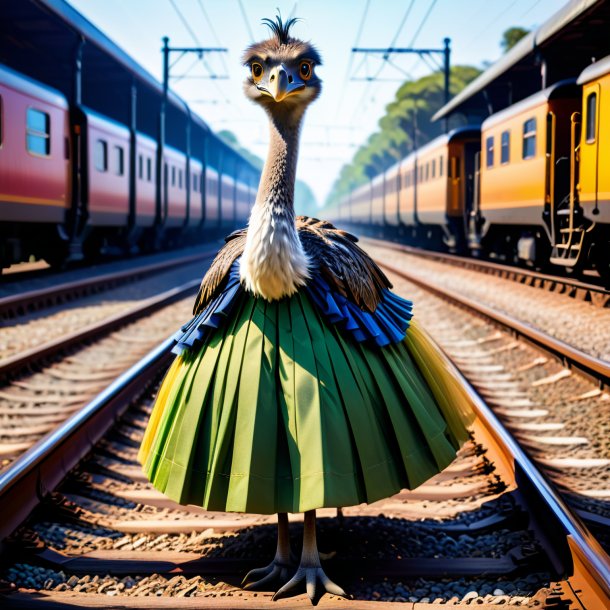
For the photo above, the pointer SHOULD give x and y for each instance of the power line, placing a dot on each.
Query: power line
(494, 20)
(531, 8)
(243, 14)
(423, 22)
(213, 31)
(402, 23)
(351, 56)
(196, 40)
(185, 23)
(385, 58)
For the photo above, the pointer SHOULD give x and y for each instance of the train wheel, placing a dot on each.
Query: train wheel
(600, 257)
(56, 255)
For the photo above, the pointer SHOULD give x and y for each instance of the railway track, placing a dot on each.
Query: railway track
(593, 292)
(560, 417)
(488, 530)
(58, 292)
(44, 385)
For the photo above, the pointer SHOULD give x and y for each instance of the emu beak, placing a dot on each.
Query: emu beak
(282, 83)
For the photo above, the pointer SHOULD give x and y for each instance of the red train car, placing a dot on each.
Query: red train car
(196, 194)
(146, 163)
(34, 165)
(108, 171)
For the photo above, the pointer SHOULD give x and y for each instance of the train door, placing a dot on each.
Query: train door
(455, 178)
(470, 151)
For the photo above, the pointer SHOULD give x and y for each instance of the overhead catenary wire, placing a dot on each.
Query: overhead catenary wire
(503, 12)
(245, 16)
(351, 55)
(198, 43)
(531, 8)
(386, 57)
(213, 32)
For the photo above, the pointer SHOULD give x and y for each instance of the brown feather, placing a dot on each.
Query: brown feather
(219, 269)
(347, 268)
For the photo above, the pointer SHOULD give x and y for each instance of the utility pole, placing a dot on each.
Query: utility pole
(446, 66)
(182, 51)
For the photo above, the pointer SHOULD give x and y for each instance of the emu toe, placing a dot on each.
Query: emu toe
(316, 584)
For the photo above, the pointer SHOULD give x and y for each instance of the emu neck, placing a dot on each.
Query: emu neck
(278, 178)
(274, 263)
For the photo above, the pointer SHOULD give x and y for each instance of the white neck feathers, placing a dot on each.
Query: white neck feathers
(274, 264)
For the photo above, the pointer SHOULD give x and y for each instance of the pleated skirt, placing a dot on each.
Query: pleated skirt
(280, 411)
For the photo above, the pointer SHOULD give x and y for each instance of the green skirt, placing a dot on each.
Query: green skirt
(279, 411)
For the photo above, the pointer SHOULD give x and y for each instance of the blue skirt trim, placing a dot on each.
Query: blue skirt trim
(386, 325)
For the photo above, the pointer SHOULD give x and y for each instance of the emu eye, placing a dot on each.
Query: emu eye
(305, 70)
(257, 71)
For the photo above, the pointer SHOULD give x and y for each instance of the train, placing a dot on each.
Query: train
(77, 184)
(528, 186)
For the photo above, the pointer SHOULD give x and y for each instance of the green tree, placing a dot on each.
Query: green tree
(406, 124)
(511, 37)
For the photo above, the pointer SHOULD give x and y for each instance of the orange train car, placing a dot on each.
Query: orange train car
(529, 187)
(582, 232)
(428, 195)
(524, 173)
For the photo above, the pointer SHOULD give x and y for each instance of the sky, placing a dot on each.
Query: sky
(349, 109)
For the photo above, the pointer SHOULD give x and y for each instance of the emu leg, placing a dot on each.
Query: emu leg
(310, 570)
(281, 567)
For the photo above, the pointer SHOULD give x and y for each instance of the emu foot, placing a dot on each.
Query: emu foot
(316, 583)
(276, 571)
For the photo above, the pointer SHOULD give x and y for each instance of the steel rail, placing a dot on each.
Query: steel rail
(95, 329)
(44, 465)
(590, 365)
(582, 543)
(598, 293)
(33, 299)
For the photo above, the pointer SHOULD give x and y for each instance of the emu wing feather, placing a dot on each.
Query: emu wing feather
(347, 268)
(219, 269)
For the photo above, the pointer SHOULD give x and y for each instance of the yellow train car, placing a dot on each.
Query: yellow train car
(360, 204)
(524, 172)
(391, 192)
(406, 195)
(443, 186)
(378, 197)
(587, 218)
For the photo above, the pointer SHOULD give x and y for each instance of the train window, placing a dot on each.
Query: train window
(489, 150)
(591, 117)
(100, 156)
(149, 169)
(505, 147)
(38, 132)
(119, 160)
(441, 159)
(529, 139)
(173, 175)
(433, 168)
(179, 178)
(141, 167)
